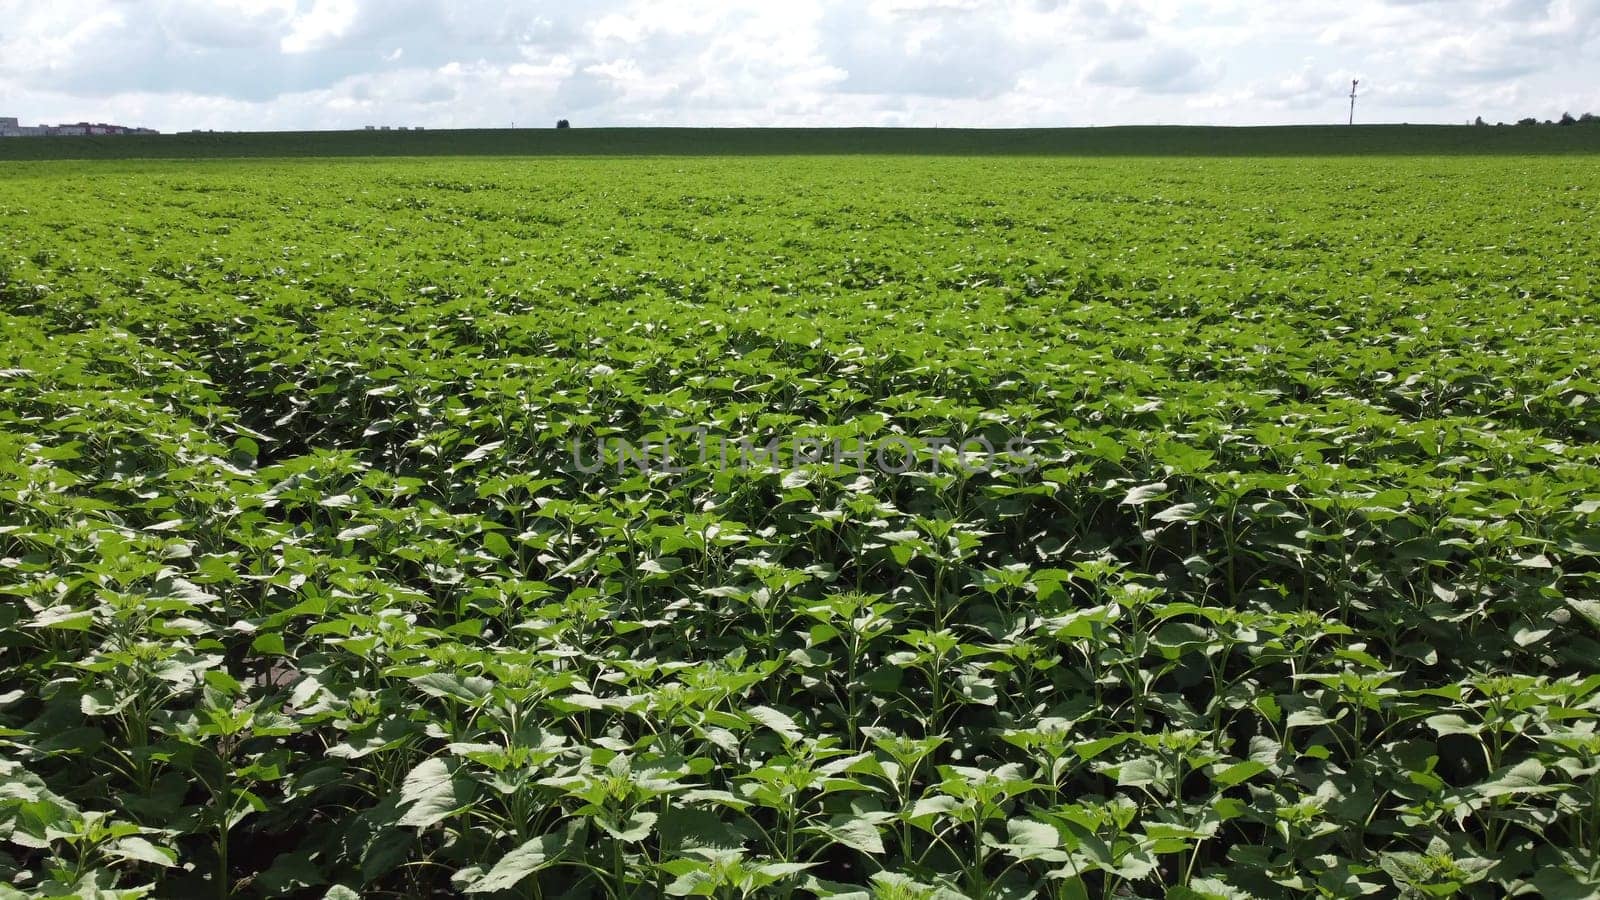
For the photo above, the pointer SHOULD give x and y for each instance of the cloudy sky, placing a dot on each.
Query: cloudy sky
(292, 64)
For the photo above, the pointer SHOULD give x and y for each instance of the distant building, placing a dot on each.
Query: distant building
(11, 127)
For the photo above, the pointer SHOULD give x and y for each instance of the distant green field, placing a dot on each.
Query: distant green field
(1393, 140)
(854, 528)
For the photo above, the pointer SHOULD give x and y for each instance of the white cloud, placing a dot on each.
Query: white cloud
(178, 64)
(1168, 70)
(320, 26)
(233, 24)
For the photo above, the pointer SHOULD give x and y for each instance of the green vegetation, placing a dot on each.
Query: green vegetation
(1288, 587)
(1361, 140)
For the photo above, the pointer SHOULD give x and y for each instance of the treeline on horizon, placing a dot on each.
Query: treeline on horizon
(1170, 141)
(1566, 119)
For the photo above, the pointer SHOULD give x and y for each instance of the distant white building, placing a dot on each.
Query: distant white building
(11, 127)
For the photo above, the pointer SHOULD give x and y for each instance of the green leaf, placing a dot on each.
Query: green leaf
(1308, 718)
(1587, 608)
(1088, 750)
(269, 643)
(856, 833)
(360, 532)
(1029, 839)
(637, 829)
(1183, 512)
(780, 870)
(777, 721)
(64, 618)
(137, 849)
(1206, 889)
(496, 543)
(1522, 778)
(1238, 773)
(1145, 493)
(483, 452)
(1450, 723)
(1555, 884)
(520, 863)
(470, 690)
(433, 793)
(929, 808)
(1142, 771)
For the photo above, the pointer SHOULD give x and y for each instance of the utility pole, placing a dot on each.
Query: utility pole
(1353, 83)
